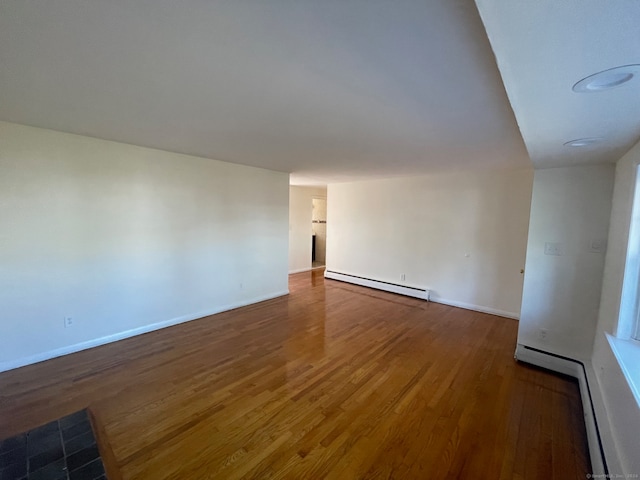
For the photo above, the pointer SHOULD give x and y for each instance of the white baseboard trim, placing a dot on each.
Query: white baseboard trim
(300, 270)
(58, 352)
(589, 396)
(416, 292)
(477, 308)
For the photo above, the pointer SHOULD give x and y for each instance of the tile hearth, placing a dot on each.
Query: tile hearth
(64, 449)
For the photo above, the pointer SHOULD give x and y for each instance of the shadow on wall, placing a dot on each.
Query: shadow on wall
(494, 271)
(461, 235)
(565, 258)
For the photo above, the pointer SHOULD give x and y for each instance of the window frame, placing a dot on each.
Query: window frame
(625, 344)
(628, 325)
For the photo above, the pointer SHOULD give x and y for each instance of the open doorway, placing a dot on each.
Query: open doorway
(302, 228)
(319, 232)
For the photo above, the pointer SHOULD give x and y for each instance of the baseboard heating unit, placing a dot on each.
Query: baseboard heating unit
(573, 368)
(416, 292)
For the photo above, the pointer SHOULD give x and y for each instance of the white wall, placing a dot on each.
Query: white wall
(561, 294)
(300, 225)
(621, 408)
(461, 235)
(122, 238)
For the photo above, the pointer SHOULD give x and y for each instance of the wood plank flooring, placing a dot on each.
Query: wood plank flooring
(332, 381)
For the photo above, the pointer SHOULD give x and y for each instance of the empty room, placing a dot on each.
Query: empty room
(297, 239)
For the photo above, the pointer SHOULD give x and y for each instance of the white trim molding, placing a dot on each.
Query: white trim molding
(300, 270)
(477, 308)
(96, 342)
(413, 291)
(627, 353)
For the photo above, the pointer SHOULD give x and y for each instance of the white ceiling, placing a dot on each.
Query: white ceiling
(328, 90)
(543, 47)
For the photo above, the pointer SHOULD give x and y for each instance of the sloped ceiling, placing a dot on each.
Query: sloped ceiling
(327, 90)
(543, 47)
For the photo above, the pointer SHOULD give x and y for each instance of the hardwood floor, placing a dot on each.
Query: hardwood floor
(333, 381)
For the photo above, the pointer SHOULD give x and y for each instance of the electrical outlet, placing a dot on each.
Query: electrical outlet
(403, 277)
(68, 322)
(542, 334)
(551, 248)
(597, 245)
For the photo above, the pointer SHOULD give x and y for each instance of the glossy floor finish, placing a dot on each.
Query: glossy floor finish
(332, 381)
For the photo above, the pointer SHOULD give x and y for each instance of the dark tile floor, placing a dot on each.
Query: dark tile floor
(64, 449)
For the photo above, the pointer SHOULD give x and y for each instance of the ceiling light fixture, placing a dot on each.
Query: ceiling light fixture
(607, 79)
(583, 142)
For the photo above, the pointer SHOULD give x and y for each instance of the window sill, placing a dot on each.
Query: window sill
(627, 353)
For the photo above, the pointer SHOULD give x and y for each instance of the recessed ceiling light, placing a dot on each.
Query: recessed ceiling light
(583, 142)
(612, 78)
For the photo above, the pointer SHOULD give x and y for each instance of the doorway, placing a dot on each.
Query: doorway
(319, 232)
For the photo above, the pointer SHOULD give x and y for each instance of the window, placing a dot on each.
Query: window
(629, 316)
(626, 344)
